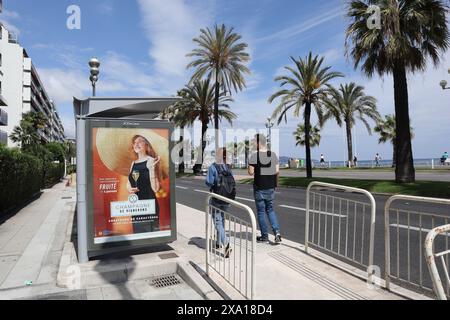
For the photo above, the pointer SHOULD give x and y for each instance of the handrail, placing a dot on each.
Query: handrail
(351, 189)
(387, 208)
(429, 241)
(253, 240)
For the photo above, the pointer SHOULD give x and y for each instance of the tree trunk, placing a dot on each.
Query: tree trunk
(307, 140)
(181, 164)
(216, 110)
(349, 143)
(404, 168)
(393, 154)
(198, 166)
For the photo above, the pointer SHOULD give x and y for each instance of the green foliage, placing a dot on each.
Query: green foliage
(314, 136)
(58, 151)
(21, 177)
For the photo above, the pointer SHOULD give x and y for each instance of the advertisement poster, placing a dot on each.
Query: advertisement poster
(131, 187)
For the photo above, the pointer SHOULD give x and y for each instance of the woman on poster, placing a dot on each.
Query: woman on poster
(144, 181)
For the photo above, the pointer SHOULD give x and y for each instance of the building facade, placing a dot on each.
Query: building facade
(21, 91)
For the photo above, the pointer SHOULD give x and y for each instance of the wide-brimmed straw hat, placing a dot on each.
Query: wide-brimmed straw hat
(114, 147)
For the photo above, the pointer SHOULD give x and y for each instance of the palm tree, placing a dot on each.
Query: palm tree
(308, 85)
(386, 129)
(222, 57)
(314, 136)
(27, 132)
(197, 103)
(411, 31)
(178, 115)
(348, 104)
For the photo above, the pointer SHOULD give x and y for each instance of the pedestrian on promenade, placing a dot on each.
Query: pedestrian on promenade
(377, 160)
(355, 161)
(264, 166)
(220, 180)
(322, 160)
(444, 158)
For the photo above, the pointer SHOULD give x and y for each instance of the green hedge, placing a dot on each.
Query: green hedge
(21, 177)
(23, 174)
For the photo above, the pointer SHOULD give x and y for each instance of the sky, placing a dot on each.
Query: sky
(142, 46)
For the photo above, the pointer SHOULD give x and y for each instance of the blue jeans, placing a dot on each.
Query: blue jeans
(219, 222)
(264, 205)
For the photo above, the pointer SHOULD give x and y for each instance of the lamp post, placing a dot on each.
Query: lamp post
(269, 126)
(94, 65)
(444, 83)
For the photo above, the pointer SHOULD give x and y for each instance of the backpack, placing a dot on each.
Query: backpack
(226, 186)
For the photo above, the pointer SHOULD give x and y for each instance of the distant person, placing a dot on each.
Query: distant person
(355, 161)
(444, 158)
(322, 160)
(377, 160)
(221, 181)
(264, 166)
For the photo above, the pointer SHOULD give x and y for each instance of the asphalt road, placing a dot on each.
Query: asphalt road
(347, 218)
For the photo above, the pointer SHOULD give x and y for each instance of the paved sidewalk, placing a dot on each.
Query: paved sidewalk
(34, 246)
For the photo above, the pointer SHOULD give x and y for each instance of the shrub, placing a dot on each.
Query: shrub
(21, 177)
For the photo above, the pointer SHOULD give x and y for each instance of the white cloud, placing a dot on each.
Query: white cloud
(170, 27)
(6, 18)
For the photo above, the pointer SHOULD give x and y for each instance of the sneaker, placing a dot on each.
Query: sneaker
(278, 238)
(262, 239)
(227, 251)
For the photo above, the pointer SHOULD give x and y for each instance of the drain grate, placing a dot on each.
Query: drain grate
(165, 281)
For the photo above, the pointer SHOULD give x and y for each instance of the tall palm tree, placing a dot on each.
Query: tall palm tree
(411, 31)
(222, 57)
(198, 103)
(346, 105)
(314, 136)
(178, 115)
(27, 132)
(386, 129)
(308, 85)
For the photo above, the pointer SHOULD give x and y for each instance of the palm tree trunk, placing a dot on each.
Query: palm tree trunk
(404, 168)
(198, 166)
(349, 143)
(393, 155)
(216, 110)
(181, 164)
(307, 140)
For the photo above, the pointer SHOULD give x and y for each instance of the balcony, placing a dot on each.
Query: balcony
(3, 137)
(3, 118)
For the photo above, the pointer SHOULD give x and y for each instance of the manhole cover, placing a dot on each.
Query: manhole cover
(165, 281)
(168, 255)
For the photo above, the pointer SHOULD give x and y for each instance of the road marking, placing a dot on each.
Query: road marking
(181, 187)
(239, 198)
(314, 211)
(202, 191)
(245, 199)
(401, 226)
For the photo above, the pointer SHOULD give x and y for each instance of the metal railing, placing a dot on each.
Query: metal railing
(339, 225)
(430, 257)
(238, 269)
(410, 227)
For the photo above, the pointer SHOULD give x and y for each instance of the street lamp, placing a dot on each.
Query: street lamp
(94, 65)
(444, 83)
(269, 126)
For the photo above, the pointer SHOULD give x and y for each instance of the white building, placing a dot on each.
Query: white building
(21, 91)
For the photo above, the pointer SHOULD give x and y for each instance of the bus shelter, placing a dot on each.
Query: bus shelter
(125, 177)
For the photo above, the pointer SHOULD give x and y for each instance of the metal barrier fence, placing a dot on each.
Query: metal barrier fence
(434, 273)
(339, 225)
(238, 269)
(408, 268)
